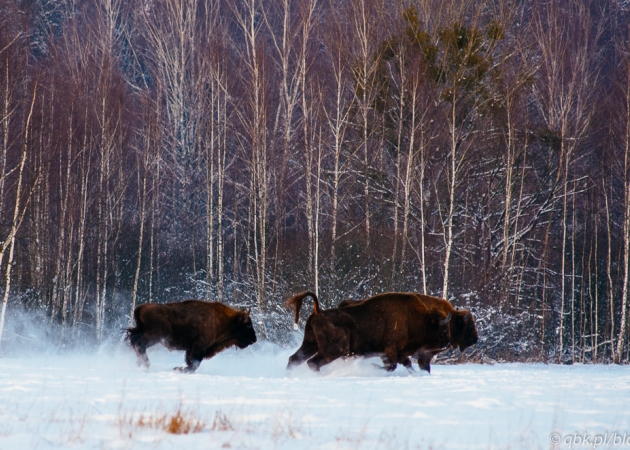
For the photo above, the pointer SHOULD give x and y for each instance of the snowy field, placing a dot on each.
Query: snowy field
(246, 399)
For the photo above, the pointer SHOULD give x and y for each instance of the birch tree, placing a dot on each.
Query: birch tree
(625, 170)
(19, 208)
(567, 40)
(254, 121)
(13, 54)
(337, 114)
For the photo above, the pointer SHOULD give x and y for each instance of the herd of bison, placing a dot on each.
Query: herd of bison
(394, 326)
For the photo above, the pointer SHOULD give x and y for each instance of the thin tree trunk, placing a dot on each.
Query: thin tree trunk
(626, 232)
(143, 207)
(408, 171)
(564, 243)
(317, 210)
(79, 297)
(16, 221)
(152, 242)
(222, 150)
(596, 318)
(399, 134)
(423, 265)
(451, 200)
(310, 222)
(337, 123)
(609, 274)
(573, 278)
(210, 175)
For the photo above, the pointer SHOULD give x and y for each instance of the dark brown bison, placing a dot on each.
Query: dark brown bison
(392, 326)
(202, 329)
(463, 330)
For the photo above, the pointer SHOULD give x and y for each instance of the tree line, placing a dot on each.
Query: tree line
(245, 150)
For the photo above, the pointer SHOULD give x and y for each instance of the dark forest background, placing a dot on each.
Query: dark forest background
(246, 150)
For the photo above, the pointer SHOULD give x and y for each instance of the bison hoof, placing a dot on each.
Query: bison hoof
(143, 365)
(387, 368)
(183, 369)
(314, 367)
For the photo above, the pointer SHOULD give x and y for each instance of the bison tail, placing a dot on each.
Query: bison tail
(296, 303)
(132, 334)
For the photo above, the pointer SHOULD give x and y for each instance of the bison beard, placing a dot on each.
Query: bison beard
(202, 329)
(393, 327)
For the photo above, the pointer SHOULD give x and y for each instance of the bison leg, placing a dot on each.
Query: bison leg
(193, 360)
(316, 362)
(389, 364)
(140, 344)
(303, 353)
(390, 359)
(306, 350)
(424, 360)
(406, 362)
(143, 359)
(333, 342)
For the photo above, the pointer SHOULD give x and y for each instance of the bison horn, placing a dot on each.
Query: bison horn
(467, 317)
(447, 320)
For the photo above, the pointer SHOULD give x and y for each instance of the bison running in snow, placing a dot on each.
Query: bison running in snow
(463, 330)
(393, 326)
(202, 329)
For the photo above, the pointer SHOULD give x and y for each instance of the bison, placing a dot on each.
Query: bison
(392, 326)
(202, 329)
(463, 330)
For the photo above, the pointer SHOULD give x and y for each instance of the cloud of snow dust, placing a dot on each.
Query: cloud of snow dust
(33, 336)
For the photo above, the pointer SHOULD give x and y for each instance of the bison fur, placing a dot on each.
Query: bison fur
(393, 327)
(202, 329)
(463, 330)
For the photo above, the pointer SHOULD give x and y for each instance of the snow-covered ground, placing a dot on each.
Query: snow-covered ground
(246, 399)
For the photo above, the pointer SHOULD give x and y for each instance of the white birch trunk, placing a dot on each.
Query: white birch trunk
(16, 221)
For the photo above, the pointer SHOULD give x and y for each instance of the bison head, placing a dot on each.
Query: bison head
(440, 332)
(244, 330)
(463, 330)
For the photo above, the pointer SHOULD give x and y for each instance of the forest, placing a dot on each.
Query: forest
(246, 150)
